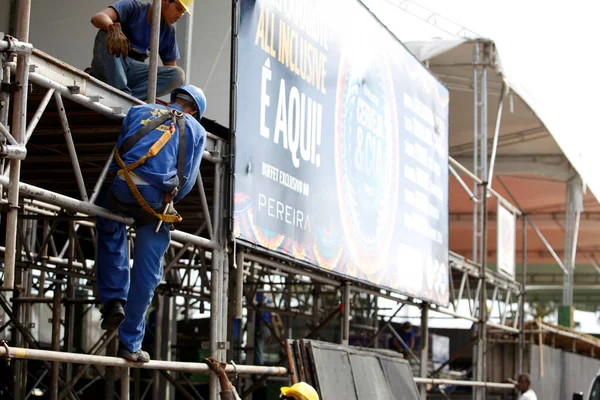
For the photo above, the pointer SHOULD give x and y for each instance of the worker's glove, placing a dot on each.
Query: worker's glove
(215, 366)
(117, 43)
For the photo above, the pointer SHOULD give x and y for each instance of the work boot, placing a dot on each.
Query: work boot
(113, 315)
(140, 356)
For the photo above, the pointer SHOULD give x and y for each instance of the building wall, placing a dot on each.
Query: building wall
(564, 373)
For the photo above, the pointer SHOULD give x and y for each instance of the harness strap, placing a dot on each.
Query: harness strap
(136, 137)
(176, 117)
(138, 196)
(182, 152)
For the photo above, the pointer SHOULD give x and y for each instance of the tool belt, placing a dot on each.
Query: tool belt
(146, 214)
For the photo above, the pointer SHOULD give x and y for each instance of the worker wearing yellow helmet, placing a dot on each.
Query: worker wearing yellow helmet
(298, 391)
(122, 46)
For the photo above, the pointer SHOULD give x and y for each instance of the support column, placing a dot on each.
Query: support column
(157, 378)
(376, 320)
(169, 334)
(124, 383)
(154, 43)
(19, 132)
(56, 313)
(216, 284)
(574, 207)
(523, 297)
(346, 315)
(224, 306)
(424, 347)
(480, 239)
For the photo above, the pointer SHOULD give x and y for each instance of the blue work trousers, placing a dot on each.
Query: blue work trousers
(129, 75)
(135, 286)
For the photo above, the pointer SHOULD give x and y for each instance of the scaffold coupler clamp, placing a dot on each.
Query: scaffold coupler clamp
(4, 344)
(235, 371)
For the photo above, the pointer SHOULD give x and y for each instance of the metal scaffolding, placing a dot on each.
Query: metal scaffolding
(48, 257)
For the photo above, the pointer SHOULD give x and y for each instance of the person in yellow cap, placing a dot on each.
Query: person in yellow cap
(298, 391)
(123, 43)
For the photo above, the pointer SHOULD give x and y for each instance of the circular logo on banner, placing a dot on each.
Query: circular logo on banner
(366, 157)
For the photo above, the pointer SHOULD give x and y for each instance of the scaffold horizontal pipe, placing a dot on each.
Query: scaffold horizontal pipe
(78, 358)
(382, 295)
(503, 327)
(455, 382)
(15, 46)
(48, 83)
(92, 209)
(451, 313)
(12, 151)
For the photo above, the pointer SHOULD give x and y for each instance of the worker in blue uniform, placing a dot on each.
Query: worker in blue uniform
(157, 161)
(122, 46)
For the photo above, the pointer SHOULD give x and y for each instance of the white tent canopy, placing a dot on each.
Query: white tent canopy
(559, 90)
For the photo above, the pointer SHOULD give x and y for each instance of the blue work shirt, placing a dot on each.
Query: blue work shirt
(160, 171)
(133, 16)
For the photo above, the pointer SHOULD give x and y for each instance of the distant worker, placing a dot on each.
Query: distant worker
(157, 160)
(408, 337)
(524, 386)
(298, 391)
(123, 43)
(262, 333)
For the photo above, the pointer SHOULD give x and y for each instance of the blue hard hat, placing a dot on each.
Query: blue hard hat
(196, 94)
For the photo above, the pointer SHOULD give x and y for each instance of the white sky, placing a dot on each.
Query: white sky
(549, 47)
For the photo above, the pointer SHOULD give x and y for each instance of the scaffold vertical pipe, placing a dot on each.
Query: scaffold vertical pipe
(475, 145)
(4, 95)
(346, 315)
(239, 285)
(156, 377)
(19, 131)
(55, 342)
(523, 296)
(154, 43)
(375, 320)
(69, 306)
(124, 383)
(482, 331)
(214, 326)
(424, 347)
(223, 315)
(216, 286)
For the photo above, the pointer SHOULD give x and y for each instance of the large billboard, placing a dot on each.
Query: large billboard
(341, 146)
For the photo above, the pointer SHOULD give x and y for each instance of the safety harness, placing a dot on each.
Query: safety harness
(149, 215)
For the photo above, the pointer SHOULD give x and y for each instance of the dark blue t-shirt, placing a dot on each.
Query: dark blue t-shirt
(406, 337)
(133, 17)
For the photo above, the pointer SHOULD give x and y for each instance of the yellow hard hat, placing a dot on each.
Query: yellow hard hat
(301, 390)
(187, 4)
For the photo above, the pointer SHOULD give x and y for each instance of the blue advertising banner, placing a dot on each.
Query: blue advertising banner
(341, 146)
